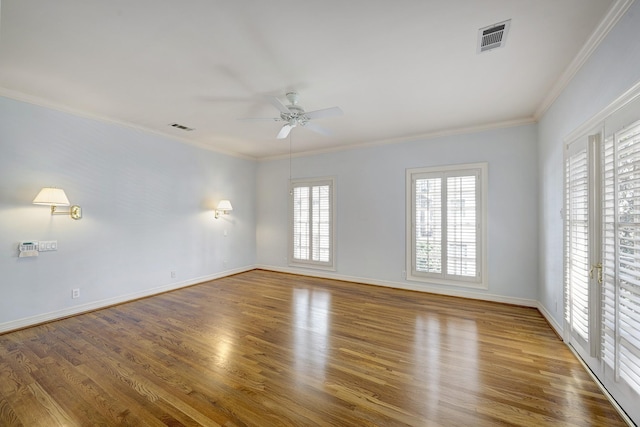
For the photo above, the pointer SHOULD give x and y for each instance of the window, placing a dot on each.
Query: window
(311, 242)
(446, 225)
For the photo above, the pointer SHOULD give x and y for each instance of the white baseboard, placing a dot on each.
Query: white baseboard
(554, 324)
(96, 305)
(422, 287)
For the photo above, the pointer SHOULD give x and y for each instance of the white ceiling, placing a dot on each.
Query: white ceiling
(398, 69)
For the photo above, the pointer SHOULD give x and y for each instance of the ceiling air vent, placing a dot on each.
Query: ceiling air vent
(181, 127)
(493, 36)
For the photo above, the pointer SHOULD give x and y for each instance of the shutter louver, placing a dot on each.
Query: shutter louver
(428, 229)
(621, 300)
(577, 247)
(301, 223)
(461, 225)
(608, 254)
(320, 222)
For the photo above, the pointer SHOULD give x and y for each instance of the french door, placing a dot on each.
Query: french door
(583, 268)
(602, 253)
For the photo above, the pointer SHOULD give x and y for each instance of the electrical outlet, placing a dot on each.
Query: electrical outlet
(173, 274)
(404, 274)
(75, 293)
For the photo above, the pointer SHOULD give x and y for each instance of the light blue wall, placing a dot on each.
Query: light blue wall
(370, 219)
(148, 210)
(147, 200)
(612, 69)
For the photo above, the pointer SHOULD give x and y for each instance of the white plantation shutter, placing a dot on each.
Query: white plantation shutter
(608, 254)
(311, 240)
(445, 222)
(320, 222)
(621, 297)
(428, 206)
(301, 234)
(461, 225)
(577, 243)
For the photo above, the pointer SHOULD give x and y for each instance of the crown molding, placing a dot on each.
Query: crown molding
(616, 11)
(407, 138)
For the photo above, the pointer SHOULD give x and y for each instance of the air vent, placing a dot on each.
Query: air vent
(181, 127)
(493, 36)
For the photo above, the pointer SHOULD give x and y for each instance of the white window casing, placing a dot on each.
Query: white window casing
(312, 223)
(446, 225)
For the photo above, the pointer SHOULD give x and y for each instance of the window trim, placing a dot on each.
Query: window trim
(312, 182)
(481, 280)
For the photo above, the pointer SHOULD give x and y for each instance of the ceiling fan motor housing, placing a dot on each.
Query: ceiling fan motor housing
(296, 114)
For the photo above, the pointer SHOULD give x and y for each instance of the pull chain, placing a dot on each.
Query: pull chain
(290, 145)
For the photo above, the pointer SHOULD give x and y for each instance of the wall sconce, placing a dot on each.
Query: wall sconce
(223, 207)
(54, 197)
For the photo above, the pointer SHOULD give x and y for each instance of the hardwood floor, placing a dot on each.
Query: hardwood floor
(268, 349)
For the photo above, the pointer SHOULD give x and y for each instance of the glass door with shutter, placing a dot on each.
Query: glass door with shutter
(620, 342)
(602, 253)
(582, 248)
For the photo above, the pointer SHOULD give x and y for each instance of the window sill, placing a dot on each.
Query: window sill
(457, 283)
(312, 266)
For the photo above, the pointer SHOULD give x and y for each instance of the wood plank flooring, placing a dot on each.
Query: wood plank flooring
(271, 349)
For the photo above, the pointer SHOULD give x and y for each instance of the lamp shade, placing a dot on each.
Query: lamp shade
(51, 196)
(224, 205)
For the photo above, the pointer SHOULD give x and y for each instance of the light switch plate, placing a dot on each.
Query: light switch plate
(47, 245)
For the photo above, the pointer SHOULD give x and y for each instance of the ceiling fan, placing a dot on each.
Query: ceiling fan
(294, 115)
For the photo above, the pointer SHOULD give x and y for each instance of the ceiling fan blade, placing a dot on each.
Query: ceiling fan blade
(278, 104)
(284, 132)
(317, 128)
(326, 112)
